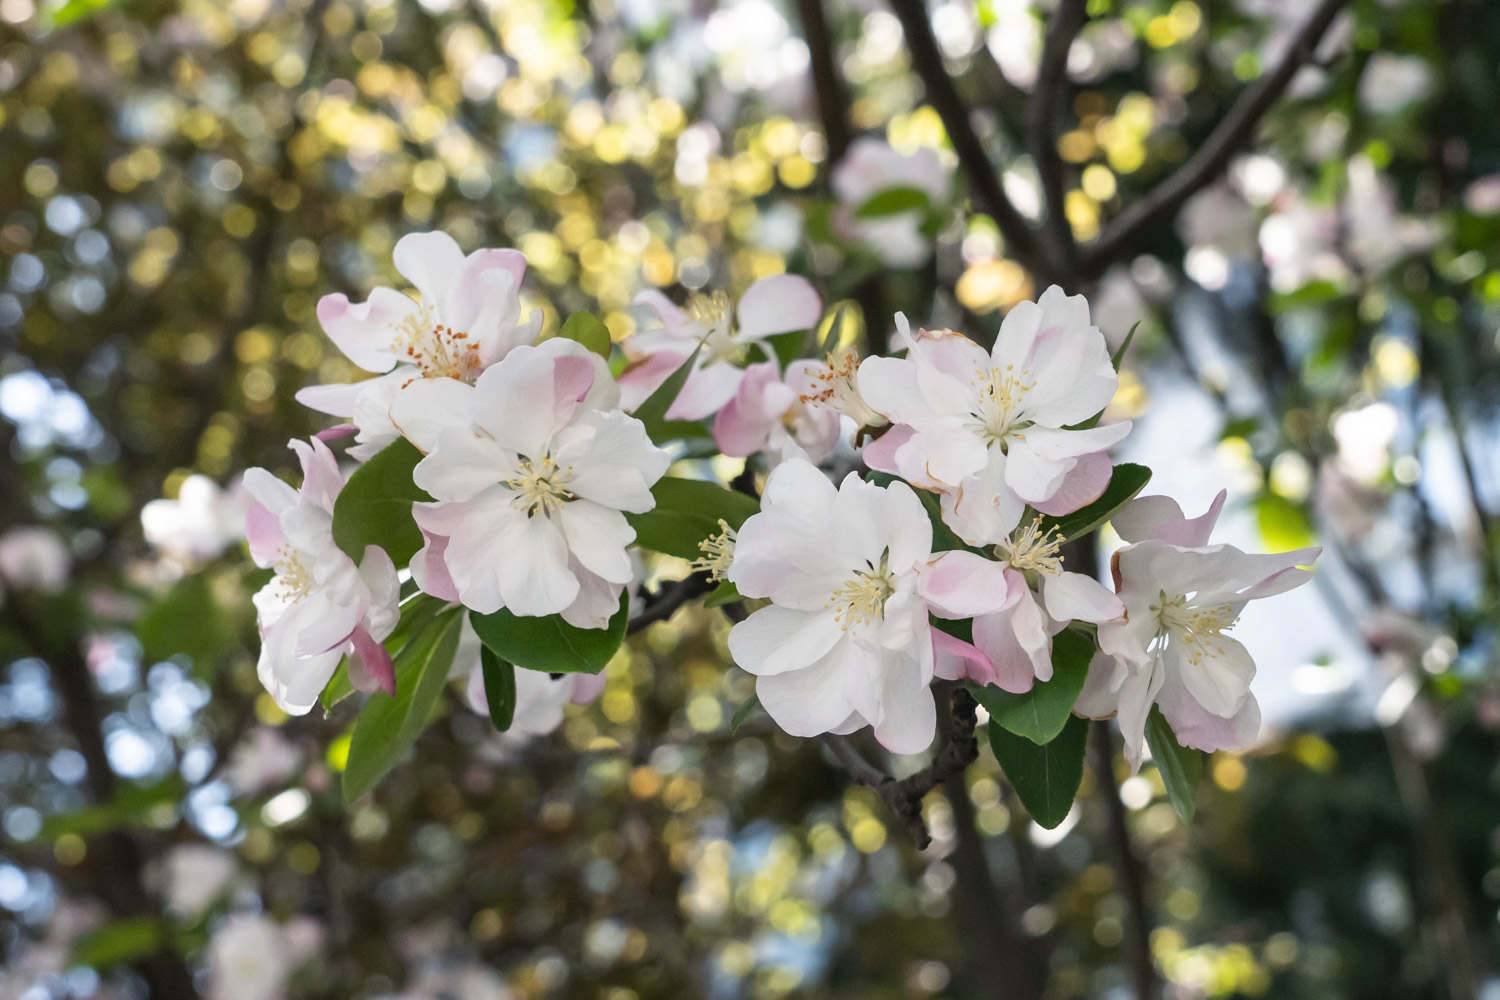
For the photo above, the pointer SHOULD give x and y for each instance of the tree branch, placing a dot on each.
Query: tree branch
(1235, 130)
(1042, 114)
(664, 602)
(828, 86)
(984, 180)
(1132, 874)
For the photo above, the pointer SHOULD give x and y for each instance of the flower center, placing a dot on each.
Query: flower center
(837, 387)
(1200, 629)
(541, 487)
(718, 553)
(860, 600)
(999, 411)
(293, 577)
(715, 313)
(438, 351)
(1031, 549)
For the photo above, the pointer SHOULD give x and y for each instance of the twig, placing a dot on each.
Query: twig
(661, 605)
(984, 180)
(1041, 122)
(1213, 156)
(1132, 873)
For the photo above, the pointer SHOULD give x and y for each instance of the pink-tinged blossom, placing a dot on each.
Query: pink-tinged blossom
(1041, 599)
(991, 430)
(846, 642)
(872, 166)
(778, 416)
(532, 483)
(669, 334)
(320, 605)
(1171, 649)
(426, 351)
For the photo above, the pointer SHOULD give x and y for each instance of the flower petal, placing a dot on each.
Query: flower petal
(425, 407)
(961, 585)
(597, 537)
(433, 263)
(1076, 597)
(782, 303)
(369, 333)
(775, 640)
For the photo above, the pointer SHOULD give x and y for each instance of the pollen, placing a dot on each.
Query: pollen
(837, 386)
(718, 553)
(541, 486)
(861, 599)
(999, 409)
(293, 579)
(437, 350)
(1032, 549)
(1200, 629)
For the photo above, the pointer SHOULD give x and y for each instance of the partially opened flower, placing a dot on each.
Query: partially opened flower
(530, 485)
(1042, 599)
(1172, 649)
(992, 429)
(772, 414)
(873, 166)
(319, 606)
(427, 350)
(668, 335)
(845, 642)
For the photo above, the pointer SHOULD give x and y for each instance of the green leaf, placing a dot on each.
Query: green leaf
(374, 507)
(893, 201)
(653, 412)
(1180, 766)
(1119, 354)
(550, 644)
(1283, 524)
(415, 612)
(743, 713)
(586, 329)
(1041, 713)
(1045, 777)
(187, 620)
(387, 727)
(74, 11)
(1125, 482)
(724, 593)
(120, 941)
(130, 806)
(499, 688)
(688, 511)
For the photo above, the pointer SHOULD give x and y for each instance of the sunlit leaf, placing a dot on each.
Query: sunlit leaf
(586, 329)
(893, 201)
(120, 941)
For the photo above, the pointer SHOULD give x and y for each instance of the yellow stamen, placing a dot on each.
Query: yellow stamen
(718, 553)
(541, 487)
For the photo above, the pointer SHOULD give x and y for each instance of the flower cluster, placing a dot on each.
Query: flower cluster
(507, 480)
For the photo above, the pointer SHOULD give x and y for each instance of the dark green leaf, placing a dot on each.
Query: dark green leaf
(387, 727)
(743, 713)
(551, 644)
(415, 612)
(374, 507)
(120, 941)
(1180, 766)
(788, 347)
(1045, 777)
(1040, 714)
(653, 412)
(688, 511)
(587, 330)
(893, 201)
(499, 688)
(1119, 354)
(186, 620)
(1125, 482)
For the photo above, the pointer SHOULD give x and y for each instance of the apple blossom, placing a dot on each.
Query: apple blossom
(773, 414)
(426, 351)
(34, 558)
(1181, 597)
(251, 956)
(834, 383)
(195, 876)
(779, 304)
(872, 166)
(199, 524)
(319, 606)
(531, 485)
(851, 576)
(1042, 598)
(994, 431)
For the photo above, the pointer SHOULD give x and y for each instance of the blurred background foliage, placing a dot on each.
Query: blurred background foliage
(180, 181)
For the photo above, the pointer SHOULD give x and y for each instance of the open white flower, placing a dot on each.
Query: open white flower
(851, 576)
(783, 303)
(872, 166)
(1042, 599)
(319, 606)
(991, 429)
(530, 487)
(1181, 597)
(200, 523)
(427, 350)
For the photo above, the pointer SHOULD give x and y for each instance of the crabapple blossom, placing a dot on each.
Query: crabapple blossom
(202, 522)
(531, 484)
(427, 351)
(834, 384)
(782, 303)
(195, 876)
(34, 558)
(845, 642)
(1181, 597)
(320, 605)
(872, 166)
(994, 430)
(778, 416)
(1041, 599)
(251, 956)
